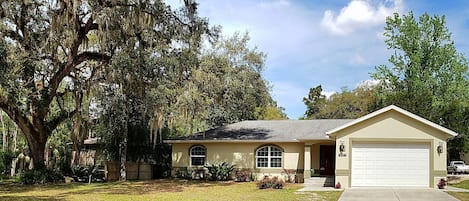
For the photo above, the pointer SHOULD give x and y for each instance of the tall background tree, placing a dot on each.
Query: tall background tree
(223, 85)
(426, 74)
(347, 104)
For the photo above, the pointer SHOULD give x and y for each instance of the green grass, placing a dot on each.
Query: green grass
(462, 184)
(458, 195)
(158, 190)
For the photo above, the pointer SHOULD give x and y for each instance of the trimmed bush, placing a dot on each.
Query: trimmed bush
(268, 182)
(243, 175)
(289, 175)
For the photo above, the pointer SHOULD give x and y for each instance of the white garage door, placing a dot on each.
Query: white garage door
(390, 165)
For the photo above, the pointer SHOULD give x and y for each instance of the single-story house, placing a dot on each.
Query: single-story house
(389, 147)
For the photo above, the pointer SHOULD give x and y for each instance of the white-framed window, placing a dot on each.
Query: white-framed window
(197, 155)
(269, 156)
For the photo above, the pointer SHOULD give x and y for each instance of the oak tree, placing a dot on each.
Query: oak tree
(45, 47)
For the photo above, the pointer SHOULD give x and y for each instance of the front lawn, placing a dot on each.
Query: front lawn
(166, 189)
(463, 184)
(458, 195)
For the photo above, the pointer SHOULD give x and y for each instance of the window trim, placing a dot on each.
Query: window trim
(197, 156)
(269, 156)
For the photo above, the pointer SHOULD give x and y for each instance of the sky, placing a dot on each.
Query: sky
(333, 43)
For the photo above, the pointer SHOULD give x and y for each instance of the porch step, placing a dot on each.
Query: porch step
(320, 181)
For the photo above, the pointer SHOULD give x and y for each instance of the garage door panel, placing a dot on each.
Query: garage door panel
(390, 165)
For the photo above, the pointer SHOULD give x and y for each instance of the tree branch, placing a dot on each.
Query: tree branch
(110, 4)
(54, 122)
(16, 115)
(74, 58)
(95, 56)
(13, 35)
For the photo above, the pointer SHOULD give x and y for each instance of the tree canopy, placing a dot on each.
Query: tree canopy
(53, 49)
(130, 65)
(426, 75)
(340, 105)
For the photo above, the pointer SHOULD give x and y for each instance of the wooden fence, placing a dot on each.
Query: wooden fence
(135, 171)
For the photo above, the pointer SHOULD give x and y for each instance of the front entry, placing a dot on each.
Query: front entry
(326, 160)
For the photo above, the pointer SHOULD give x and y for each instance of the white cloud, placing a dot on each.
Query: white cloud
(299, 54)
(328, 94)
(359, 14)
(368, 83)
(269, 23)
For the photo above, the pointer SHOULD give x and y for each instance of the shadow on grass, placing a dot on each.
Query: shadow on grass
(7, 198)
(15, 187)
(129, 188)
(147, 187)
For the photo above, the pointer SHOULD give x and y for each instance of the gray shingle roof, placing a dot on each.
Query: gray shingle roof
(270, 130)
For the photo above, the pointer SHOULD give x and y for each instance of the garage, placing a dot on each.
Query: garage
(390, 164)
(390, 147)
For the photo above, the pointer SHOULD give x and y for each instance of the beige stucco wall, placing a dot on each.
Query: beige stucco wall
(241, 154)
(315, 156)
(390, 127)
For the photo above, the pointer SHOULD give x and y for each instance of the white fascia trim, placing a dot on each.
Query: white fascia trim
(398, 109)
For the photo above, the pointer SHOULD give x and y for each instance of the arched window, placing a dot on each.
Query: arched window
(269, 156)
(197, 155)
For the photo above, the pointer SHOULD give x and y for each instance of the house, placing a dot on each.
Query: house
(389, 147)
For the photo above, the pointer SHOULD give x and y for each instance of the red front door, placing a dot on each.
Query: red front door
(326, 159)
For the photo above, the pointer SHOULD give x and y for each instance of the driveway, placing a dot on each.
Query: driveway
(375, 194)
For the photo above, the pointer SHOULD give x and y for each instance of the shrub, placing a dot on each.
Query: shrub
(83, 172)
(5, 162)
(220, 172)
(183, 173)
(64, 160)
(2, 165)
(80, 172)
(180, 173)
(41, 176)
(198, 173)
(442, 184)
(243, 175)
(289, 175)
(277, 183)
(268, 182)
(338, 185)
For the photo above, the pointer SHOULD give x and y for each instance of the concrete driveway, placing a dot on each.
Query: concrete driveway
(361, 194)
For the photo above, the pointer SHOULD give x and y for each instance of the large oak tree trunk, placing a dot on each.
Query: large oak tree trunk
(35, 131)
(77, 128)
(37, 148)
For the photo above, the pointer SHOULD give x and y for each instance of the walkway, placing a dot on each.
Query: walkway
(397, 194)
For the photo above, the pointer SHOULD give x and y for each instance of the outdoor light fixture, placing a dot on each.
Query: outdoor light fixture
(342, 149)
(439, 149)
